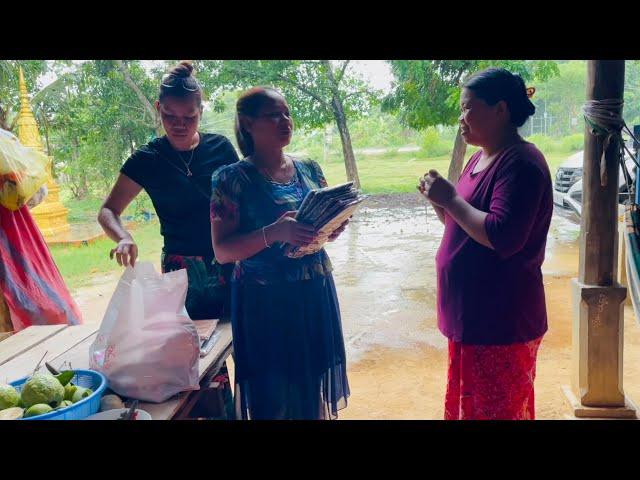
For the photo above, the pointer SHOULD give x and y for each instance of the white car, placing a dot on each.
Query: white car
(567, 188)
(569, 172)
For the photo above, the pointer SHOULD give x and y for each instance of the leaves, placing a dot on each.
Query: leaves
(65, 377)
(96, 120)
(310, 86)
(9, 92)
(427, 92)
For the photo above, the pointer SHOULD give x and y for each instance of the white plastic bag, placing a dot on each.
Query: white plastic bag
(23, 171)
(147, 346)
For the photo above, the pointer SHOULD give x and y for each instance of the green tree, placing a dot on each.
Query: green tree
(427, 92)
(96, 120)
(9, 92)
(219, 116)
(564, 94)
(318, 91)
(632, 92)
(382, 129)
(143, 87)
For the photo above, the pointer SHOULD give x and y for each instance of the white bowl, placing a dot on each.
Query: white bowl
(115, 414)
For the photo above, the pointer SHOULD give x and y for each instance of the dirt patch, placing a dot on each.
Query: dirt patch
(395, 200)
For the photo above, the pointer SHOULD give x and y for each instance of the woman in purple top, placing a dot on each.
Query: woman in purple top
(491, 302)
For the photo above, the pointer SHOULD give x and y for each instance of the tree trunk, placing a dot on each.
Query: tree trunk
(45, 123)
(82, 189)
(133, 149)
(345, 138)
(46, 138)
(457, 158)
(341, 121)
(141, 96)
(3, 119)
(14, 122)
(325, 144)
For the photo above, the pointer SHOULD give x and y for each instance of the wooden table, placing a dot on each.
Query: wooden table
(20, 353)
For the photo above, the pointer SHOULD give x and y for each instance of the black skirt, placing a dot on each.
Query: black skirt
(289, 350)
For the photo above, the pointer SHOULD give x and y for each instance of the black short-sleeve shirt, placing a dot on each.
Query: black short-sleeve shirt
(181, 202)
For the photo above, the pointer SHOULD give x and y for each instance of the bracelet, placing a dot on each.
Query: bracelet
(264, 237)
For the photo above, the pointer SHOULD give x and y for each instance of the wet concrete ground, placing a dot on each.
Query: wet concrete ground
(385, 272)
(384, 267)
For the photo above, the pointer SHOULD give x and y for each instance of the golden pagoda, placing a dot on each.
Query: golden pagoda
(50, 215)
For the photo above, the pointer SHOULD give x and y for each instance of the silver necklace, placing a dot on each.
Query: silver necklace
(187, 164)
(266, 172)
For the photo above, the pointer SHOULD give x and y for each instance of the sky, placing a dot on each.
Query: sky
(376, 72)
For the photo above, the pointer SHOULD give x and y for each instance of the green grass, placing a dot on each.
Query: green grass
(384, 173)
(86, 209)
(81, 211)
(399, 172)
(78, 264)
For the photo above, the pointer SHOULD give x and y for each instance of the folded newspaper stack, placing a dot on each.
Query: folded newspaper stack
(326, 209)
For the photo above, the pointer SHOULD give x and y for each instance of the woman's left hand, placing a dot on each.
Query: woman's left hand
(437, 189)
(338, 231)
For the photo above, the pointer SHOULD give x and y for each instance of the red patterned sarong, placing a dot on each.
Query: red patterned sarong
(491, 382)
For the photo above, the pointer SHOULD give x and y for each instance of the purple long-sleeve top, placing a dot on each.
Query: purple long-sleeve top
(496, 296)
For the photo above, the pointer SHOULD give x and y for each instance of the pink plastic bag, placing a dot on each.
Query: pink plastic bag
(147, 346)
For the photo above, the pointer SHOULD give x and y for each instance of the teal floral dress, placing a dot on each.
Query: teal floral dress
(289, 350)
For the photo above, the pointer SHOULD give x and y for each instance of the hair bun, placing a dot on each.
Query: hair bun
(183, 69)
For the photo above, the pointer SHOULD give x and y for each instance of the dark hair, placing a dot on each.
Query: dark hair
(495, 84)
(249, 104)
(180, 82)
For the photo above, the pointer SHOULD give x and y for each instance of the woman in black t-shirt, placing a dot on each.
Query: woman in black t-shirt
(175, 170)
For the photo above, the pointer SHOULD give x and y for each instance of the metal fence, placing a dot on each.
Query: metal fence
(553, 125)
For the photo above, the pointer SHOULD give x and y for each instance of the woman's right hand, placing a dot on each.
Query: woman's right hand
(422, 188)
(288, 230)
(126, 252)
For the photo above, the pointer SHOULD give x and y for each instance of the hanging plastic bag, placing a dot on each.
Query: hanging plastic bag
(23, 171)
(147, 346)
